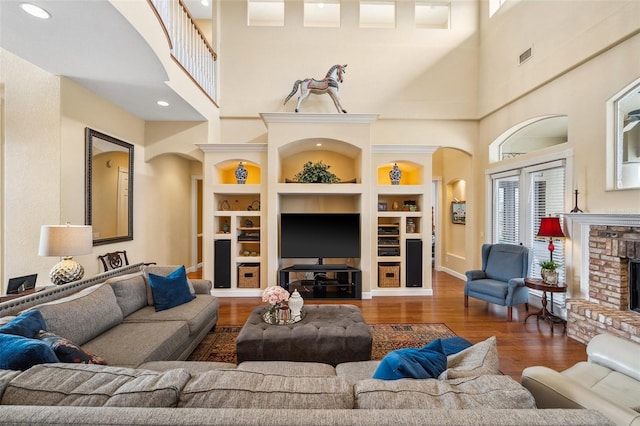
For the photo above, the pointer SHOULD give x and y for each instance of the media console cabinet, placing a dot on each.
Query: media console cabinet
(323, 281)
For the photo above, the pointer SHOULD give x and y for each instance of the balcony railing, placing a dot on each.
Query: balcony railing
(189, 47)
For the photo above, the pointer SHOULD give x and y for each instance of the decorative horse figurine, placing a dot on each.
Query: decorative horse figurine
(329, 84)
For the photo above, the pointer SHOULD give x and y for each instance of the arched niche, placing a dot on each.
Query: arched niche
(343, 158)
(226, 169)
(412, 172)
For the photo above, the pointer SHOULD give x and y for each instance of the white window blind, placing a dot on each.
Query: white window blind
(506, 209)
(546, 199)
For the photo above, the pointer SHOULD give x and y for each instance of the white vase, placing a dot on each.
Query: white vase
(295, 305)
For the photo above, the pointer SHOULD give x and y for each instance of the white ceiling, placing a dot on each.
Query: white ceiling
(91, 43)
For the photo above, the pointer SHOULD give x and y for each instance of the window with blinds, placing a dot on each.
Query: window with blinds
(521, 198)
(506, 209)
(546, 199)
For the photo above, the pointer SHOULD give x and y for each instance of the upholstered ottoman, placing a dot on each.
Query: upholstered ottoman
(331, 334)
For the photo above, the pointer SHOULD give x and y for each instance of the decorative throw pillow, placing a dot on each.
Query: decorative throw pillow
(21, 353)
(163, 271)
(67, 351)
(455, 344)
(411, 363)
(170, 291)
(27, 324)
(480, 359)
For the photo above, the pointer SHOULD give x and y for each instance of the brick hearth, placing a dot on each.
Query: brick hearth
(607, 310)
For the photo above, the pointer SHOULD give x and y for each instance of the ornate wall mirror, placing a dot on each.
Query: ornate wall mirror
(108, 188)
(625, 151)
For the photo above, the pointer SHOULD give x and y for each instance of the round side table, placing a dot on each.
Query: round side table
(544, 314)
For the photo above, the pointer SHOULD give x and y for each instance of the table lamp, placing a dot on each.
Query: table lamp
(66, 241)
(550, 228)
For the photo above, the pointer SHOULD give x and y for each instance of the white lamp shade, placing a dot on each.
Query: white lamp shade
(65, 240)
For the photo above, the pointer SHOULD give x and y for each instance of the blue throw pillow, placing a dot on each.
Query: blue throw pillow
(170, 291)
(21, 353)
(453, 345)
(27, 324)
(411, 363)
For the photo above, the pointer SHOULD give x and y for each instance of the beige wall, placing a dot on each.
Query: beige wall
(579, 92)
(45, 117)
(31, 169)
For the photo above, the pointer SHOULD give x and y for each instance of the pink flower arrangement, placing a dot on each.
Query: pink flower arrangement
(275, 295)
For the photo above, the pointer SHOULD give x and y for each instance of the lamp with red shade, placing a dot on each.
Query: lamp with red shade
(550, 228)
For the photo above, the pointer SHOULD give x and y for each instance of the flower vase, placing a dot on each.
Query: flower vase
(295, 305)
(395, 174)
(241, 173)
(274, 310)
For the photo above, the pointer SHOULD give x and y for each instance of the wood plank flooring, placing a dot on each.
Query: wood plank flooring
(519, 345)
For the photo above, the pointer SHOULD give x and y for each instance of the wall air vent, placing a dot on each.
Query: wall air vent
(525, 56)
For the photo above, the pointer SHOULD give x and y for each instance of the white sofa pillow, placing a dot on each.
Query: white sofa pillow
(479, 359)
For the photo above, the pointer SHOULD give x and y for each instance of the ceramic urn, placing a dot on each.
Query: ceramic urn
(295, 305)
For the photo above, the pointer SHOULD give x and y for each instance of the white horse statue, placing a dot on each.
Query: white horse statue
(329, 84)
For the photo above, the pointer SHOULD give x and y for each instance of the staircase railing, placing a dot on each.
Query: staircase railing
(189, 47)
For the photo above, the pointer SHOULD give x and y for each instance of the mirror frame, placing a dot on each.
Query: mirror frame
(90, 135)
(616, 115)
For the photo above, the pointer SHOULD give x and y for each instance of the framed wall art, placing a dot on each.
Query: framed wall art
(459, 212)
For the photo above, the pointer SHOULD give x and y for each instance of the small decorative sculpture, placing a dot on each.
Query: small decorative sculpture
(241, 173)
(395, 174)
(329, 84)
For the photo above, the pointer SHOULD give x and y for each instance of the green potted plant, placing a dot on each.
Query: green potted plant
(316, 173)
(549, 271)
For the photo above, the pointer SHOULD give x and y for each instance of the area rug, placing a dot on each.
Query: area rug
(220, 345)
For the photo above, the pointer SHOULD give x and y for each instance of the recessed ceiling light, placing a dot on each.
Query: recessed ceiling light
(163, 103)
(205, 2)
(34, 10)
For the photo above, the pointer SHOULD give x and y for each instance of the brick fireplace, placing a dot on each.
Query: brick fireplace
(607, 250)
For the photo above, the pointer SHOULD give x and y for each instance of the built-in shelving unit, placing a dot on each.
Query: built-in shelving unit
(236, 217)
(403, 250)
(246, 216)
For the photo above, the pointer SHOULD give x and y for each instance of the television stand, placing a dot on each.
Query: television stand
(324, 267)
(332, 281)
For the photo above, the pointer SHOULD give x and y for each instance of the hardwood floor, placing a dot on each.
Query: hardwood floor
(519, 345)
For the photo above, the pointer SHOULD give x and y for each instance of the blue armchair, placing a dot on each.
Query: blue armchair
(501, 280)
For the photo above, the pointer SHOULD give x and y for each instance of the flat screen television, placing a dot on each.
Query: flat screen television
(319, 235)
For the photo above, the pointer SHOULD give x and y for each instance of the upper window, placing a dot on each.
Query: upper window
(432, 15)
(624, 132)
(324, 13)
(377, 14)
(535, 135)
(265, 13)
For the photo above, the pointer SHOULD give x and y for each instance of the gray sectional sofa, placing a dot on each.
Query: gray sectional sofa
(265, 393)
(147, 383)
(115, 319)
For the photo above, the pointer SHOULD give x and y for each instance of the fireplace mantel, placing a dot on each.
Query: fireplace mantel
(604, 219)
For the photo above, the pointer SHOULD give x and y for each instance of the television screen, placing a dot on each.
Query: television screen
(321, 235)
